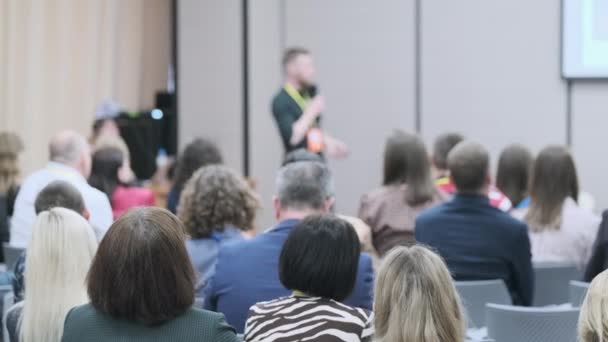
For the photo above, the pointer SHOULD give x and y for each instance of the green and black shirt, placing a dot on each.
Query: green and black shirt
(286, 112)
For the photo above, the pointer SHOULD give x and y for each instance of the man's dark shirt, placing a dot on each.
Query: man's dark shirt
(286, 112)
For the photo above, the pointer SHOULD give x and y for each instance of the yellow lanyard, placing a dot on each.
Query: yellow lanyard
(296, 96)
(297, 293)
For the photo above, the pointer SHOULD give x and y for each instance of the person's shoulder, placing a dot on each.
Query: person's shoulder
(361, 316)
(279, 98)
(432, 214)
(508, 223)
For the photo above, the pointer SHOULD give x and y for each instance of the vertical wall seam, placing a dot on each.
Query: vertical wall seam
(418, 65)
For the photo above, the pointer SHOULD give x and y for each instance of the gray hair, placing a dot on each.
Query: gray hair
(468, 163)
(304, 185)
(67, 147)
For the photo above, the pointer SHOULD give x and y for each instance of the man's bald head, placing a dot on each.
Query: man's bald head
(469, 164)
(72, 149)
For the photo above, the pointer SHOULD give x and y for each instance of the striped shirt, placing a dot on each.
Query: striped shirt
(297, 318)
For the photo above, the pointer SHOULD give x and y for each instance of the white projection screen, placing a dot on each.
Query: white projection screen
(585, 38)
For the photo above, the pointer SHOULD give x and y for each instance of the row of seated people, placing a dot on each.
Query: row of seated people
(138, 285)
(469, 168)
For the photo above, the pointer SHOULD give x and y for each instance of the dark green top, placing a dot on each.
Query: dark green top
(286, 112)
(85, 323)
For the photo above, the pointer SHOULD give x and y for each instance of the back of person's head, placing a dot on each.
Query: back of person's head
(554, 179)
(58, 258)
(143, 249)
(10, 148)
(416, 299)
(214, 197)
(71, 149)
(442, 147)
(304, 186)
(469, 164)
(107, 162)
(320, 258)
(300, 155)
(514, 169)
(200, 152)
(406, 161)
(59, 194)
(593, 318)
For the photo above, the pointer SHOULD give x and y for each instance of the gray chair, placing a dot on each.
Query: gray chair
(551, 283)
(476, 294)
(7, 301)
(520, 324)
(578, 291)
(11, 255)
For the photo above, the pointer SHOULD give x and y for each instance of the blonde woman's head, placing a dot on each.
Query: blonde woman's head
(593, 320)
(57, 261)
(416, 299)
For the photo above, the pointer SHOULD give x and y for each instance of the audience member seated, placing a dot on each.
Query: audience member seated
(318, 262)
(560, 231)
(513, 175)
(599, 255)
(246, 271)
(201, 152)
(216, 206)
(141, 286)
(407, 189)
(593, 322)
(443, 145)
(59, 256)
(363, 229)
(110, 175)
(416, 299)
(57, 194)
(10, 148)
(70, 160)
(477, 240)
(116, 141)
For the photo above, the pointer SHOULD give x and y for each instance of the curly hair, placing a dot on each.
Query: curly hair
(214, 197)
(200, 152)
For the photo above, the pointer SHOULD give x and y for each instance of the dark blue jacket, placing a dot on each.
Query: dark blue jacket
(247, 273)
(479, 242)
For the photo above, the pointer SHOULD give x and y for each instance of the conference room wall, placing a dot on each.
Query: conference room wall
(490, 71)
(364, 55)
(589, 123)
(210, 75)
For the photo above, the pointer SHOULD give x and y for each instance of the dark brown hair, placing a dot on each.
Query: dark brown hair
(200, 152)
(513, 175)
(406, 161)
(142, 272)
(554, 179)
(442, 147)
(214, 197)
(292, 53)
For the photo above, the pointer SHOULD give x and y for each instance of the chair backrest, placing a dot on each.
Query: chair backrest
(11, 255)
(476, 294)
(519, 324)
(551, 283)
(578, 291)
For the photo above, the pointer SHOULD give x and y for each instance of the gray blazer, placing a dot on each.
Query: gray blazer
(85, 323)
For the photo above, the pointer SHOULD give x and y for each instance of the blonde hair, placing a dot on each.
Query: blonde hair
(416, 299)
(58, 258)
(10, 147)
(593, 319)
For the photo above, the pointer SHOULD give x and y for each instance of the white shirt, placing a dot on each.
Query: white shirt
(572, 242)
(95, 201)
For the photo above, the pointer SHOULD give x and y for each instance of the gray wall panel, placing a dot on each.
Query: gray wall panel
(210, 75)
(364, 54)
(490, 69)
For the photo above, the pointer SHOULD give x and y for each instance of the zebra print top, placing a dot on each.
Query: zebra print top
(299, 318)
